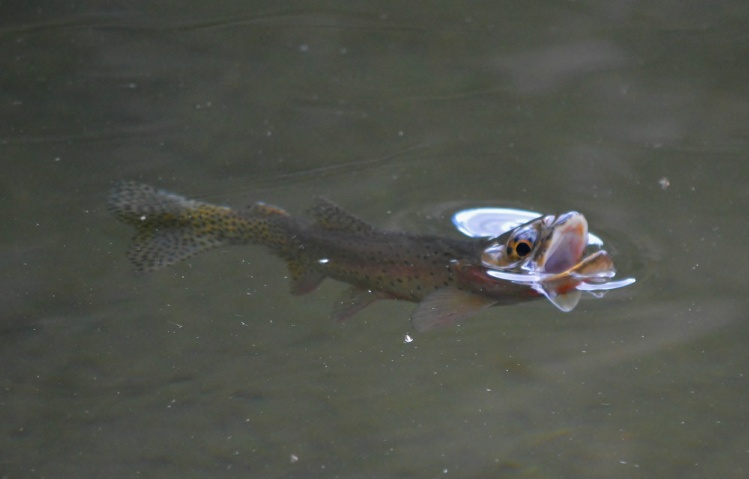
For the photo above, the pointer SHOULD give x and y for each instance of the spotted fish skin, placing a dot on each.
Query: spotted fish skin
(170, 228)
(443, 274)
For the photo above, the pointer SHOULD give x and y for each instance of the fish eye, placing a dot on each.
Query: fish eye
(511, 253)
(521, 245)
(523, 248)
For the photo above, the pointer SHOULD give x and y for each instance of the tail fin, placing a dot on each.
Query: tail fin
(170, 228)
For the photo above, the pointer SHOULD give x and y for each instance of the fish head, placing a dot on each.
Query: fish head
(548, 255)
(549, 244)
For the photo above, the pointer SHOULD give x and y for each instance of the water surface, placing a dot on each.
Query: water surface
(633, 113)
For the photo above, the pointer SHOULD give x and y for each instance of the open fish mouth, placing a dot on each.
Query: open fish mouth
(593, 274)
(563, 251)
(565, 245)
(564, 259)
(547, 244)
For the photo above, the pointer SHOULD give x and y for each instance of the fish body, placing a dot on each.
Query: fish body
(447, 277)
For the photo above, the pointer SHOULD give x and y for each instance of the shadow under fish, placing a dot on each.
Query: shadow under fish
(450, 279)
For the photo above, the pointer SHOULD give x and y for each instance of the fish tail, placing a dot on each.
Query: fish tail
(170, 228)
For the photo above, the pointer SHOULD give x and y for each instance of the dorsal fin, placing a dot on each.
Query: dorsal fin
(330, 216)
(264, 209)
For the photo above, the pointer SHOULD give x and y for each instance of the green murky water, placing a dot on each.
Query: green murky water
(633, 113)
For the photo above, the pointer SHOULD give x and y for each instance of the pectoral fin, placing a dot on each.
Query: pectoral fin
(352, 301)
(447, 306)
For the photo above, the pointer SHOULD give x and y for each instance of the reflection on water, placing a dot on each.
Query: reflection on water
(213, 369)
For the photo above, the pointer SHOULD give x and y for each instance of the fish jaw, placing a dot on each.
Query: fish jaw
(565, 244)
(561, 289)
(480, 280)
(595, 268)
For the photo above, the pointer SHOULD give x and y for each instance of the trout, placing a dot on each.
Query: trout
(450, 279)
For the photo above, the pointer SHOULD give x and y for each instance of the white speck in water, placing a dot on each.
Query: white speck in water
(294, 458)
(408, 339)
(323, 261)
(664, 183)
(143, 218)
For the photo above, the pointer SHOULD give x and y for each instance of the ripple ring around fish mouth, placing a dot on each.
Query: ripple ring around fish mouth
(488, 222)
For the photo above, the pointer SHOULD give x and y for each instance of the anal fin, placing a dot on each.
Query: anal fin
(303, 278)
(447, 306)
(352, 301)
